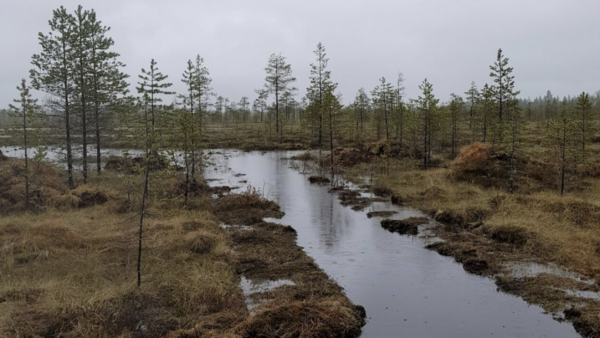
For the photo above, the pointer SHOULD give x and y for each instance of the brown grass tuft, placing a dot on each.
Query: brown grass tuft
(45, 184)
(246, 208)
(201, 243)
(478, 164)
(511, 234)
(89, 196)
(327, 318)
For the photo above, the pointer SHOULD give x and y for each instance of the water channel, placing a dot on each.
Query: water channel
(407, 291)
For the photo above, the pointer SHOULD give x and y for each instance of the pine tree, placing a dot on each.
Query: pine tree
(562, 138)
(548, 107)
(398, 107)
(332, 106)
(192, 95)
(508, 120)
(202, 86)
(151, 155)
(80, 43)
(427, 110)
(53, 73)
(108, 83)
(383, 97)
(455, 108)
(504, 84)
(278, 81)
(220, 107)
(361, 107)
(152, 87)
(504, 94)
(260, 103)
(585, 115)
(487, 111)
(514, 126)
(244, 106)
(320, 82)
(185, 139)
(473, 98)
(29, 118)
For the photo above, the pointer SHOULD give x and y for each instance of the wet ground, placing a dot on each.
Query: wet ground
(407, 291)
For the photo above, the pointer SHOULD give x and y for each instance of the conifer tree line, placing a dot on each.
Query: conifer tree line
(88, 106)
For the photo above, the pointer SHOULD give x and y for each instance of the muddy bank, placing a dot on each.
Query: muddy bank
(408, 226)
(484, 250)
(372, 214)
(354, 199)
(319, 179)
(311, 305)
(491, 251)
(401, 285)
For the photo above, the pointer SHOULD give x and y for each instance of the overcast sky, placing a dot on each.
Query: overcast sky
(552, 44)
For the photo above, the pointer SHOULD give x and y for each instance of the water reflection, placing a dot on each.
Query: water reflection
(408, 291)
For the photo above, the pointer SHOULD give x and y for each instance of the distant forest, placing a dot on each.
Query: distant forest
(89, 102)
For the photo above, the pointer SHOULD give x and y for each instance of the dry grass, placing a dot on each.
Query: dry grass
(314, 307)
(247, 208)
(46, 185)
(296, 319)
(73, 273)
(253, 136)
(486, 227)
(548, 227)
(71, 270)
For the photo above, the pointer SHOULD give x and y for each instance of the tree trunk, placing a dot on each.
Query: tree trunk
(24, 103)
(70, 180)
(425, 141)
(277, 113)
(484, 128)
(385, 115)
(142, 214)
(453, 137)
(187, 166)
(331, 147)
(83, 124)
(193, 136)
(97, 120)
(563, 159)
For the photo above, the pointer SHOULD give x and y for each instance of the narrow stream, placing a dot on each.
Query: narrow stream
(408, 291)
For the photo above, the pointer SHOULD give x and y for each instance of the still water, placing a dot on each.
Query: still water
(408, 291)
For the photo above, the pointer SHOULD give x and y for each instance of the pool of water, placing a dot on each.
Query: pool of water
(407, 291)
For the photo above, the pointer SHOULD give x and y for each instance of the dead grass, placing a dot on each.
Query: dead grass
(46, 184)
(296, 319)
(479, 164)
(74, 274)
(486, 227)
(247, 208)
(70, 270)
(408, 226)
(314, 307)
(546, 226)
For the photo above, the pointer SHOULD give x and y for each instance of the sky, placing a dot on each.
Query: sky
(552, 44)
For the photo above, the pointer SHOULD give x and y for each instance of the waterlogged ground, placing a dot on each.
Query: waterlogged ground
(58, 155)
(407, 290)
